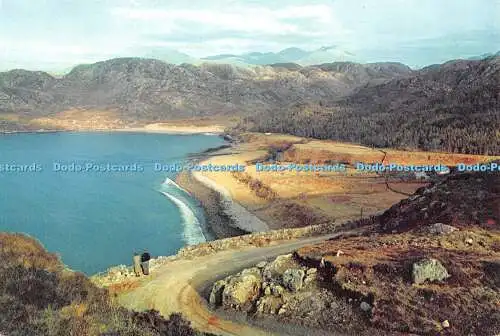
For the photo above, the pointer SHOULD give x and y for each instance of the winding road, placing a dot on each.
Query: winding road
(178, 286)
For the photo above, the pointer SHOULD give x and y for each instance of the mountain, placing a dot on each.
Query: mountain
(483, 56)
(290, 55)
(171, 56)
(450, 107)
(453, 107)
(148, 89)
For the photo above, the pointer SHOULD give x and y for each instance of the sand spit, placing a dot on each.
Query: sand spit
(241, 217)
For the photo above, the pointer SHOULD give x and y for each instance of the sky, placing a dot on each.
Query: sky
(58, 34)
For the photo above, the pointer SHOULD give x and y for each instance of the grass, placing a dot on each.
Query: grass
(379, 269)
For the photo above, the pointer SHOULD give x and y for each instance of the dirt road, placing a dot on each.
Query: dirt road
(177, 286)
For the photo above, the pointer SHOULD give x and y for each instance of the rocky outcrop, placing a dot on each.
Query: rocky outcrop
(428, 270)
(264, 288)
(240, 292)
(293, 279)
(289, 291)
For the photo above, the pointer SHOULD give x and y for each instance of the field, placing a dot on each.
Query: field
(291, 198)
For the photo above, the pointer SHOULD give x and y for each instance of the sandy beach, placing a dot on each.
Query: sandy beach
(174, 129)
(241, 217)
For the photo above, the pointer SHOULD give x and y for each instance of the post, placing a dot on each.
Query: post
(137, 264)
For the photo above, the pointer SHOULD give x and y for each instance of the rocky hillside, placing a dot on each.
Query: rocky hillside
(453, 107)
(430, 266)
(151, 90)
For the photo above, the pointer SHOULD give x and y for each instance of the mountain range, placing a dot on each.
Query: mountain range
(299, 56)
(452, 106)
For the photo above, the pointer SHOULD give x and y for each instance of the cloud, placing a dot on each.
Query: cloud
(241, 25)
(35, 33)
(250, 21)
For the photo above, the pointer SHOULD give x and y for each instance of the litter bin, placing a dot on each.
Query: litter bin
(145, 257)
(137, 264)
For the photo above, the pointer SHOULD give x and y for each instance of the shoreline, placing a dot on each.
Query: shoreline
(217, 222)
(120, 130)
(155, 128)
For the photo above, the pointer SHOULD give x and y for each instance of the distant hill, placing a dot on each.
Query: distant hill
(290, 55)
(483, 56)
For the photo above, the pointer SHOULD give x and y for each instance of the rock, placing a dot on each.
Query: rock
(440, 228)
(267, 291)
(274, 270)
(277, 290)
(312, 271)
(241, 292)
(216, 293)
(310, 278)
(293, 279)
(269, 305)
(281, 311)
(252, 271)
(365, 306)
(262, 264)
(445, 324)
(428, 269)
(469, 241)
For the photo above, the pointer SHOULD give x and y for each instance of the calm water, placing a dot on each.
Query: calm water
(98, 219)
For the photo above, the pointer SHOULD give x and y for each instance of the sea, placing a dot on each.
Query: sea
(96, 198)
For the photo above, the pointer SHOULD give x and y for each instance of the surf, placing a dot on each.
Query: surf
(192, 227)
(168, 181)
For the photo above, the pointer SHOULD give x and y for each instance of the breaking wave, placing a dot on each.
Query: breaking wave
(193, 232)
(168, 181)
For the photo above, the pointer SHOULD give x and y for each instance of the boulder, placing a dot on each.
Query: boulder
(293, 279)
(274, 270)
(267, 291)
(312, 271)
(428, 269)
(216, 293)
(365, 306)
(276, 290)
(241, 292)
(252, 271)
(440, 228)
(269, 305)
(262, 264)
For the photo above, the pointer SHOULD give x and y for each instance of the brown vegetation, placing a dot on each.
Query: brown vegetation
(38, 296)
(377, 268)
